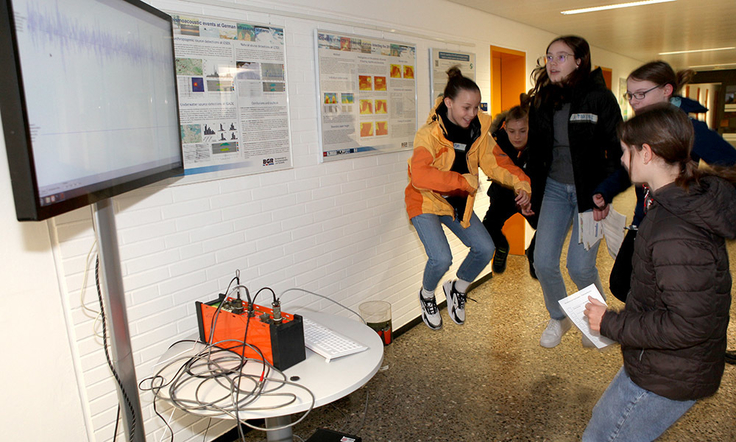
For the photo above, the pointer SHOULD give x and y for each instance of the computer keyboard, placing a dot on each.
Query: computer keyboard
(327, 342)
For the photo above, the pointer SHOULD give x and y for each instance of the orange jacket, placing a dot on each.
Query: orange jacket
(430, 177)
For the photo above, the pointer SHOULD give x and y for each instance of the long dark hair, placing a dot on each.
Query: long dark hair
(670, 134)
(540, 78)
(457, 82)
(661, 73)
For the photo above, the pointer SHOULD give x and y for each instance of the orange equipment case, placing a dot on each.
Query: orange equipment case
(282, 344)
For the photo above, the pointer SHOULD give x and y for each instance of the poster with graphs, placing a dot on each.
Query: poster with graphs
(367, 95)
(232, 96)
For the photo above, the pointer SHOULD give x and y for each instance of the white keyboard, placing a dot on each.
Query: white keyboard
(327, 342)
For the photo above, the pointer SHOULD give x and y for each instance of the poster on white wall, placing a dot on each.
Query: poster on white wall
(367, 95)
(232, 96)
(441, 60)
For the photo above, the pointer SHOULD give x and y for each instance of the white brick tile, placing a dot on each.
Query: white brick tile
(143, 263)
(142, 248)
(175, 211)
(174, 284)
(235, 252)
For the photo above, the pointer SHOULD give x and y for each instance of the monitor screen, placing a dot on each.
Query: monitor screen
(91, 109)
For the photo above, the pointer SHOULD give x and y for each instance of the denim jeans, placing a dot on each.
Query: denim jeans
(560, 210)
(627, 412)
(439, 255)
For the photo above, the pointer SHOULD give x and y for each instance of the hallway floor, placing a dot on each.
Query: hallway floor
(490, 380)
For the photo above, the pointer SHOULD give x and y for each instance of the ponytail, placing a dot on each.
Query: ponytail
(457, 82)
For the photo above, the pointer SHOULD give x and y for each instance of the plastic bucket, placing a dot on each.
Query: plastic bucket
(377, 315)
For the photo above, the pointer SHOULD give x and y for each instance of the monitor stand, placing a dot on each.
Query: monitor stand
(113, 295)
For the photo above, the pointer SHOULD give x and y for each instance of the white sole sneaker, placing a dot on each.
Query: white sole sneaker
(552, 335)
(430, 312)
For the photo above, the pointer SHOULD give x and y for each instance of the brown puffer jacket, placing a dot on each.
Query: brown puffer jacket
(673, 329)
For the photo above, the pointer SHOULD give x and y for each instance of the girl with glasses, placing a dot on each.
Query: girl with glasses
(443, 180)
(657, 82)
(573, 146)
(672, 330)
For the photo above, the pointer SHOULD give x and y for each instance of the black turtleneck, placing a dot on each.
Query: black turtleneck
(461, 138)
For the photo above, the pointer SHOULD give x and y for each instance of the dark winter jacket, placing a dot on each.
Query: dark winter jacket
(594, 146)
(708, 146)
(673, 329)
(498, 193)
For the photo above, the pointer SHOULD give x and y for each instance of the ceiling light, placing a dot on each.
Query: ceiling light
(697, 50)
(717, 65)
(615, 6)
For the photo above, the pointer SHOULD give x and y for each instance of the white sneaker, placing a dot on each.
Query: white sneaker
(552, 335)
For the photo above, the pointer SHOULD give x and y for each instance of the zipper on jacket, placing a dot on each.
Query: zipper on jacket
(641, 354)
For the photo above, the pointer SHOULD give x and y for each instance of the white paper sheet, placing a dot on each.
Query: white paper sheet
(574, 308)
(612, 227)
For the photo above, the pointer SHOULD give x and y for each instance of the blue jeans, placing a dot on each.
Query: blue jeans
(629, 413)
(560, 210)
(439, 255)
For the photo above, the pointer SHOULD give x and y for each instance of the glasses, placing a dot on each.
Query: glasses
(639, 95)
(559, 58)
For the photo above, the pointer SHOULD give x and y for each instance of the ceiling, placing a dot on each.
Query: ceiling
(638, 32)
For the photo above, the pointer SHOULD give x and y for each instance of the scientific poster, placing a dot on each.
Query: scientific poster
(367, 95)
(441, 60)
(232, 96)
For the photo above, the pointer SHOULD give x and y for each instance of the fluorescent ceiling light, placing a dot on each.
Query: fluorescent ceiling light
(615, 6)
(697, 50)
(713, 65)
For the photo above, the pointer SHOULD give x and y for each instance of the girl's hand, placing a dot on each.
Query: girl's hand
(600, 211)
(594, 311)
(527, 210)
(522, 198)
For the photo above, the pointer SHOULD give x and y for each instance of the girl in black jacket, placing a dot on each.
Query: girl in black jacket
(673, 329)
(573, 147)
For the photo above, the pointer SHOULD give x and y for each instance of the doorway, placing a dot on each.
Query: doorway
(508, 78)
(508, 81)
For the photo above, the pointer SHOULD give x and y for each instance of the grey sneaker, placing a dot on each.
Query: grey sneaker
(430, 312)
(455, 302)
(552, 335)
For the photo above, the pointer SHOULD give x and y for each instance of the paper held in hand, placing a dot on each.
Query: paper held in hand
(574, 308)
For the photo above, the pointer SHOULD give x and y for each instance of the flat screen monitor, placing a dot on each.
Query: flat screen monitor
(89, 102)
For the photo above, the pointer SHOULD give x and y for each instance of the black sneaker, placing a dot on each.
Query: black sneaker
(455, 302)
(430, 313)
(499, 260)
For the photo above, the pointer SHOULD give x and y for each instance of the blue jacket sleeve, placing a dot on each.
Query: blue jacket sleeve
(711, 147)
(616, 183)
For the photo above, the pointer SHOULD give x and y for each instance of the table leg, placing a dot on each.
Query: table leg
(283, 435)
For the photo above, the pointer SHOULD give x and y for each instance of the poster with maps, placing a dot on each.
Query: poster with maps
(367, 95)
(232, 96)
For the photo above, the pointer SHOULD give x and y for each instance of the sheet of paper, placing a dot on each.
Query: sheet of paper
(590, 232)
(574, 308)
(613, 230)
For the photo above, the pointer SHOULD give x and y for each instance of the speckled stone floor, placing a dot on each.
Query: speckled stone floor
(490, 380)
